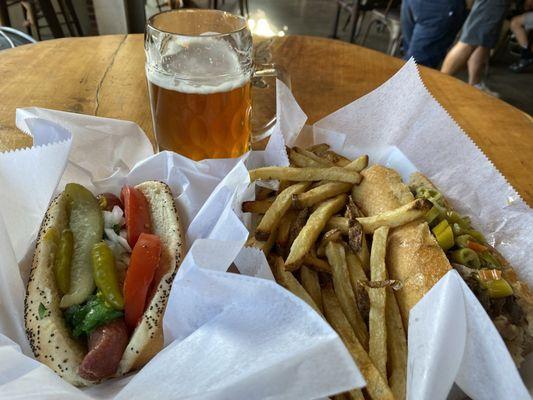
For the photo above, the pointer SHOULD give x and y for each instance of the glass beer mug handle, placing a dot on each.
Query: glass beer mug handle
(261, 71)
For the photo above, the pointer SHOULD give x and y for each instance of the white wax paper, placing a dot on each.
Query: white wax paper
(451, 339)
(227, 335)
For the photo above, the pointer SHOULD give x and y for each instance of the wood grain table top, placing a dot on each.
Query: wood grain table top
(104, 76)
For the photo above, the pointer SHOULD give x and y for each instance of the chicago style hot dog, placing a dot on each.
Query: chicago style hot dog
(100, 279)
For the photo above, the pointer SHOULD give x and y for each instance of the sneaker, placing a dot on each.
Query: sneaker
(521, 64)
(482, 86)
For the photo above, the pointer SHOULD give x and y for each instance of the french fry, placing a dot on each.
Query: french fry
(298, 224)
(257, 206)
(355, 267)
(306, 174)
(358, 164)
(335, 158)
(377, 348)
(376, 384)
(355, 394)
(352, 213)
(284, 184)
(282, 238)
(396, 347)
(317, 263)
(289, 282)
(364, 255)
(303, 161)
(262, 193)
(319, 149)
(357, 275)
(340, 223)
(355, 236)
(264, 246)
(319, 194)
(334, 235)
(311, 284)
(277, 210)
(341, 282)
(400, 216)
(324, 162)
(310, 232)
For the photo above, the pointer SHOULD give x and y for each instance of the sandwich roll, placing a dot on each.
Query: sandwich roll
(413, 255)
(77, 302)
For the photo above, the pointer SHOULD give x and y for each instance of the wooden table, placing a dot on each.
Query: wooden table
(105, 76)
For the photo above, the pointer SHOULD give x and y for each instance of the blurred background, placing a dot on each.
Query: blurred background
(371, 23)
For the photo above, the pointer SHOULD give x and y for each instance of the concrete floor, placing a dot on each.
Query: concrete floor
(316, 17)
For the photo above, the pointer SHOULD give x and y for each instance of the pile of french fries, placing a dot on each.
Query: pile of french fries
(315, 238)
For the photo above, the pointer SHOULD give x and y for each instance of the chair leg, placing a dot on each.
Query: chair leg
(336, 24)
(63, 11)
(4, 14)
(362, 16)
(363, 41)
(355, 20)
(74, 17)
(395, 34)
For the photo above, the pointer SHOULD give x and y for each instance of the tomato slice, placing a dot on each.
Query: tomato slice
(139, 276)
(476, 246)
(136, 212)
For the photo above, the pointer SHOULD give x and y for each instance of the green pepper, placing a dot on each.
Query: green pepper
(84, 318)
(62, 261)
(466, 257)
(477, 236)
(105, 275)
(444, 235)
(462, 240)
(497, 288)
(87, 226)
(489, 260)
(433, 216)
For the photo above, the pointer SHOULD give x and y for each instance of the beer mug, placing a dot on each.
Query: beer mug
(199, 69)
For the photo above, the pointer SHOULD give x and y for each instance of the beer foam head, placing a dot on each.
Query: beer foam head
(197, 65)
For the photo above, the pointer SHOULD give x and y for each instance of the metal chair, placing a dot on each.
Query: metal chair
(33, 13)
(244, 7)
(388, 18)
(10, 38)
(356, 10)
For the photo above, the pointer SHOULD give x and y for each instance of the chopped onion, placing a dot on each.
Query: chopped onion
(112, 236)
(114, 217)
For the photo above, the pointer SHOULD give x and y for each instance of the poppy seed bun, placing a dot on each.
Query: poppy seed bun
(413, 255)
(50, 338)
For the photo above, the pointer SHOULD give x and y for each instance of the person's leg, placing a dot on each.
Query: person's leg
(517, 26)
(457, 58)
(476, 65)
(408, 24)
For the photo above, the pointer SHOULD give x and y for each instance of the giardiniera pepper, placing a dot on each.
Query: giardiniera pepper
(105, 275)
(63, 259)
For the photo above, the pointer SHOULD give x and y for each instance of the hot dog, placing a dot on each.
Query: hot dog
(100, 278)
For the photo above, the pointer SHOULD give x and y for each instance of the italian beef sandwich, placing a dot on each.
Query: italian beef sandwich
(100, 279)
(421, 252)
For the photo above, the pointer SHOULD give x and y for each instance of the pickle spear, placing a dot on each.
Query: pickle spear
(87, 225)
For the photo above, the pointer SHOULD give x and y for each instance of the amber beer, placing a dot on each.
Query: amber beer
(202, 122)
(199, 67)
